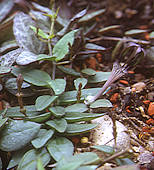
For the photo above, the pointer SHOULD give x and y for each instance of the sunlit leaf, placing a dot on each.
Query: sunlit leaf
(4, 69)
(57, 111)
(44, 101)
(29, 160)
(91, 16)
(101, 103)
(75, 129)
(78, 107)
(91, 46)
(58, 85)
(39, 118)
(62, 46)
(42, 138)
(134, 32)
(78, 117)
(69, 71)
(33, 76)
(104, 148)
(99, 77)
(89, 71)
(78, 81)
(60, 147)
(17, 131)
(58, 124)
(109, 28)
(26, 57)
(25, 36)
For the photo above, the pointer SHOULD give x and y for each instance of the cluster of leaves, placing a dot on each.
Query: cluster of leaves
(39, 136)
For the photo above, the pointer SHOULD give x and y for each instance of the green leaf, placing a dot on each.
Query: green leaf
(4, 69)
(70, 96)
(91, 46)
(57, 111)
(16, 157)
(101, 103)
(104, 148)
(60, 147)
(90, 167)
(78, 81)
(75, 129)
(58, 124)
(39, 118)
(39, 164)
(2, 121)
(40, 32)
(109, 28)
(99, 77)
(78, 107)
(42, 102)
(68, 165)
(78, 117)
(33, 76)
(69, 71)
(45, 57)
(91, 16)
(89, 71)
(14, 112)
(43, 136)
(62, 46)
(151, 35)
(85, 158)
(17, 131)
(29, 160)
(134, 32)
(58, 85)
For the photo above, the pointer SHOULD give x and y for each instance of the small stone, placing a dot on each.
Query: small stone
(151, 109)
(138, 87)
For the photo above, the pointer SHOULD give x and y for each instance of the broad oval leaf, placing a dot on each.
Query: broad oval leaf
(39, 118)
(69, 71)
(25, 36)
(104, 148)
(78, 81)
(42, 138)
(26, 57)
(78, 107)
(101, 103)
(43, 102)
(29, 160)
(75, 129)
(60, 147)
(58, 124)
(99, 77)
(17, 131)
(33, 76)
(78, 117)
(14, 112)
(57, 111)
(89, 71)
(62, 46)
(58, 85)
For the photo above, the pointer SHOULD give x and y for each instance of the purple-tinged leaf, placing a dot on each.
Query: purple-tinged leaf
(25, 36)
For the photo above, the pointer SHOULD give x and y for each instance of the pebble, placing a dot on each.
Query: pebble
(138, 87)
(103, 133)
